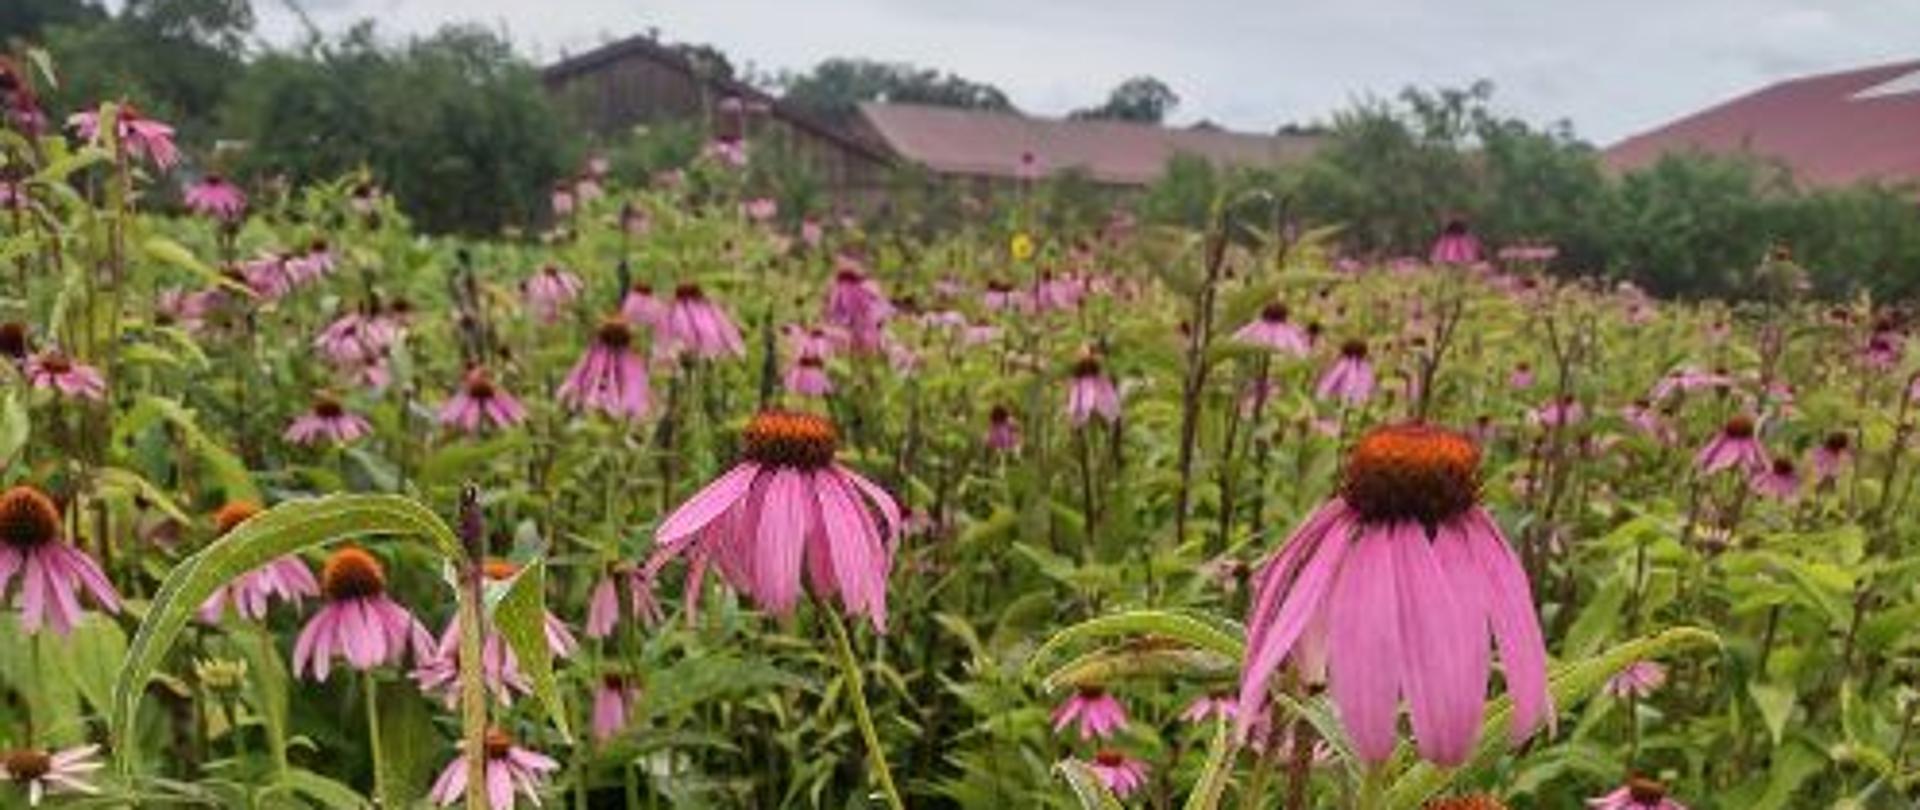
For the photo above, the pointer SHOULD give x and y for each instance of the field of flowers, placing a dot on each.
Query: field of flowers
(689, 501)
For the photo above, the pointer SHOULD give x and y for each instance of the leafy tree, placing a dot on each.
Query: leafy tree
(28, 20)
(1143, 99)
(835, 88)
(173, 58)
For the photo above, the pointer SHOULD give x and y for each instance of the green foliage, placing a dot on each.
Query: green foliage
(835, 88)
(1141, 99)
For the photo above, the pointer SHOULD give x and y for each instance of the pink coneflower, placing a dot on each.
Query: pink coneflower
(360, 622)
(561, 199)
(611, 377)
(1637, 794)
(641, 308)
(1273, 331)
(52, 572)
(480, 405)
(58, 372)
(439, 672)
(1003, 433)
(1091, 393)
(1212, 705)
(613, 700)
(1094, 710)
(1058, 293)
(1884, 347)
(603, 608)
(1642, 415)
(1832, 456)
(1638, 680)
(788, 507)
(1779, 480)
(807, 377)
(760, 209)
(316, 263)
(1350, 378)
(1560, 412)
(811, 232)
(855, 302)
(1522, 376)
(509, 769)
(287, 578)
(695, 324)
(1123, 775)
(1688, 378)
(327, 421)
(1455, 245)
(214, 197)
(142, 137)
(42, 773)
(267, 276)
(729, 152)
(1395, 584)
(551, 291)
(1737, 445)
(354, 340)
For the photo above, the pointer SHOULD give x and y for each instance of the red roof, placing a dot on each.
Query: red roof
(1830, 130)
(976, 142)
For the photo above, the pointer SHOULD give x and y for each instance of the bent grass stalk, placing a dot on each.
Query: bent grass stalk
(862, 715)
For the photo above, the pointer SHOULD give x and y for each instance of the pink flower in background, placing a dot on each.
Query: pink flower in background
(1398, 586)
(287, 579)
(1832, 456)
(510, 769)
(788, 508)
(267, 276)
(214, 197)
(1003, 433)
(760, 209)
(1884, 348)
(811, 232)
(1210, 706)
(354, 340)
(641, 308)
(1642, 415)
(480, 405)
(561, 199)
(1737, 446)
(1455, 245)
(142, 137)
(611, 377)
(1123, 775)
(729, 152)
(1059, 294)
(1350, 378)
(54, 371)
(603, 609)
(1273, 331)
(52, 572)
(1001, 296)
(52, 773)
(808, 340)
(695, 324)
(359, 621)
(551, 291)
(613, 700)
(1561, 412)
(1779, 480)
(1688, 378)
(1095, 711)
(1522, 376)
(855, 302)
(807, 377)
(1091, 393)
(316, 263)
(327, 421)
(1636, 794)
(1639, 680)
(439, 671)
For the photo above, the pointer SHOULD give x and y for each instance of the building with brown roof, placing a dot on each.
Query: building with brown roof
(992, 146)
(1829, 130)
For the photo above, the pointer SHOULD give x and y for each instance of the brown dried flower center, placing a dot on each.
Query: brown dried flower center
(28, 518)
(1412, 471)
(788, 439)
(352, 573)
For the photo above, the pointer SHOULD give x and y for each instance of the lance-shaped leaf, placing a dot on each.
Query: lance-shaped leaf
(1086, 786)
(1212, 635)
(521, 615)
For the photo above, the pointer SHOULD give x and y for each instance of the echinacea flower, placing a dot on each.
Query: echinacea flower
(353, 340)
(439, 673)
(788, 508)
(1123, 775)
(1736, 446)
(1638, 680)
(142, 137)
(52, 572)
(1097, 713)
(1456, 245)
(695, 324)
(641, 308)
(551, 291)
(316, 263)
(1209, 706)
(611, 377)
(509, 769)
(856, 304)
(1396, 584)
(287, 578)
(1000, 295)
(1522, 376)
(613, 699)
(214, 197)
(1560, 412)
(1091, 393)
(1003, 433)
(480, 405)
(267, 276)
(1832, 456)
(359, 622)
(1642, 415)
(1779, 480)
(1688, 378)
(42, 773)
(1350, 378)
(760, 209)
(808, 377)
(1637, 794)
(1273, 331)
(60, 373)
(327, 420)
(562, 199)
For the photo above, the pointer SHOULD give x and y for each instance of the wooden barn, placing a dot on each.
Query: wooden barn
(639, 81)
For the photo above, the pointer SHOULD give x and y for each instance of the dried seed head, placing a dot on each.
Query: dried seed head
(28, 518)
(790, 439)
(1412, 471)
(352, 572)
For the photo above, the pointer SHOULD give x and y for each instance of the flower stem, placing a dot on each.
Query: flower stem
(856, 689)
(373, 733)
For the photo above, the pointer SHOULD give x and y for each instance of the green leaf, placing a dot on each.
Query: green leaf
(409, 745)
(326, 792)
(268, 680)
(1203, 633)
(521, 617)
(88, 658)
(1110, 664)
(167, 251)
(1776, 706)
(1086, 786)
(1217, 771)
(14, 426)
(1568, 684)
(282, 530)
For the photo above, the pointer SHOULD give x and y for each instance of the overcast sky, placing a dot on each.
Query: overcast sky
(1612, 68)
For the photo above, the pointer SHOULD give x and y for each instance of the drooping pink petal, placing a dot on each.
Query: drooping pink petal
(784, 519)
(1329, 548)
(1365, 650)
(1444, 669)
